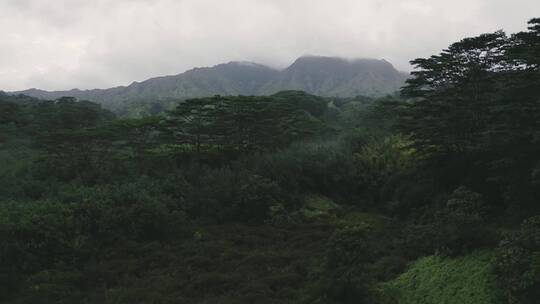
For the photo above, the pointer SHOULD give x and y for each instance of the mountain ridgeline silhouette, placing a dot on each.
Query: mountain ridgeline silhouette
(324, 76)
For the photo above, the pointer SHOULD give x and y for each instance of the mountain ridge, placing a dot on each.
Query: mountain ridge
(320, 75)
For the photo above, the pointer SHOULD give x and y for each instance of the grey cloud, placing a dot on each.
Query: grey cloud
(63, 44)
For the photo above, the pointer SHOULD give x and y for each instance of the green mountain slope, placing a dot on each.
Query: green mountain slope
(324, 76)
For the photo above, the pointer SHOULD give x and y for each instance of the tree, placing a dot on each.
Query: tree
(69, 134)
(517, 263)
(460, 225)
(242, 123)
(475, 108)
(451, 94)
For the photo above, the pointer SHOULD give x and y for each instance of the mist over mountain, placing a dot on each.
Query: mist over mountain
(324, 76)
(331, 76)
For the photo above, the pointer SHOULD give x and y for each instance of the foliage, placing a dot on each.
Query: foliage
(247, 123)
(460, 225)
(436, 279)
(475, 107)
(517, 263)
(225, 194)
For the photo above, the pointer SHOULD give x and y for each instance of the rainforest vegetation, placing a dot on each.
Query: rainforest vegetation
(430, 195)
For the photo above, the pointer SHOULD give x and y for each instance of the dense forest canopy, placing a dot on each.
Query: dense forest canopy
(427, 196)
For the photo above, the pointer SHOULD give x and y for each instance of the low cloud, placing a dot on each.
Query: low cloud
(104, 43)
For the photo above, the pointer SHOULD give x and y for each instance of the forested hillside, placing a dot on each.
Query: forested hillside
(325, 76)
(429, 196)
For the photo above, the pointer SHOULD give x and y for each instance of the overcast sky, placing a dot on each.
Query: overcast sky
(64, 44)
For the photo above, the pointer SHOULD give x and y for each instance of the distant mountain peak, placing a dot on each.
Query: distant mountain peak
(320, 75)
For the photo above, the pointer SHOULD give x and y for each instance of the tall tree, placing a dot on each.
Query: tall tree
(242, 123)
(451, 94)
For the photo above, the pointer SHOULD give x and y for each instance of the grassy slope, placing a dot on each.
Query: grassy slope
(440, 280)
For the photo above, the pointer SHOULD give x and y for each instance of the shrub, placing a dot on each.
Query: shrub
(37, 236)
(137, 210)
(325, 168)
(232, 195)
(348, 252)
(460, 224)
(380, 158)
(351, 253)
(436, 279)
(517, 263)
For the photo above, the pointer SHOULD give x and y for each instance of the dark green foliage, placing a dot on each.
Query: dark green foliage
(43, 240)
(243, 124)
(454, 90)
(475, 107)
(317, 167)
(517, 263)
(361, 252)
(312, 104)
(350, 250)
(358, 164)
(226, 263)
(225, 195)
(460, 225)
(100, 188)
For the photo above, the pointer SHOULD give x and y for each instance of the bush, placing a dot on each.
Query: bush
(349, 250)
(460, 225)
(324, 168)
(517, 263)
(408, 193)
(226, 194)
(457, 228)
(353, 262)
(380, 158)
(137, 210)
(38, 236)
(436, 279)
